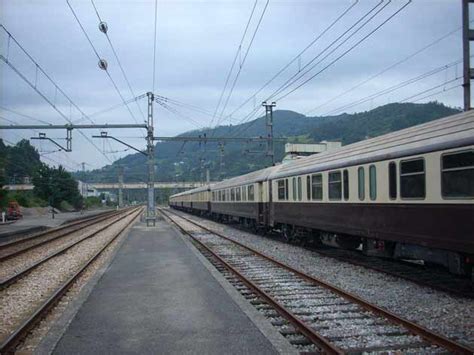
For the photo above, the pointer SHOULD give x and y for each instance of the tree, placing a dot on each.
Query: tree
(22, 160)
(56, 185)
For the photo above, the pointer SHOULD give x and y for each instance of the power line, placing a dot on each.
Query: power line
(394, 87)
(244, 59)
(300, 74)
(431, 89)
(412, 55)
(347, 51)
(332, 24)
(118, 61)
(35, 88)
(97, 55)
(154, 47)
(239, 49)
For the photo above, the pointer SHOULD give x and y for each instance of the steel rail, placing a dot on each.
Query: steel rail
(10, 280)
(312, 335)
(64, 233)
(13, 339)
(430, 336)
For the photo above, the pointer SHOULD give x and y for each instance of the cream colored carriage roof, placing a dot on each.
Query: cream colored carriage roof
(449, 132)
(192, 191)
(250, 178)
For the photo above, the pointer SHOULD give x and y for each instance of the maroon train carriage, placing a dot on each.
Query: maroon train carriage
(407, 194)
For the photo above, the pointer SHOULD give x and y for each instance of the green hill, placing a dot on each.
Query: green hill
(178, 162)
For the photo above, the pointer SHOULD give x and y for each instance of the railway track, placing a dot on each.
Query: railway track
(46, 302)
(436, 278)
(312, 314)
(16, 247)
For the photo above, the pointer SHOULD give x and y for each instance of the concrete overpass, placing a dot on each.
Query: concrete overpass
(115, 185)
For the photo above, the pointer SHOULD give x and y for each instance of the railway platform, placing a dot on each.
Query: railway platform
(34, 224)
(158, 297)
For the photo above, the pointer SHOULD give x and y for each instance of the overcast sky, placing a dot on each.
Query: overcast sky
(195, 46)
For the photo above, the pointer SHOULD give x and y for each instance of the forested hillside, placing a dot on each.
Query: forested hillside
(178, 162)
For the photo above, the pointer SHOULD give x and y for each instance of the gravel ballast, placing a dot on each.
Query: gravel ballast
(446, 314)
(20, 299)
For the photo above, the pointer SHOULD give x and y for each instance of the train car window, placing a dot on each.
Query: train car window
(281, 189)
(300, 190)
(345, 178)
(361, 183)
(373, 182)
(317, 187)
(244, 193)
(335, 185)
(457, 175)
(308, 188)
(392, 180)
(294, 191)
(412, 179)
(251, 193)
(232, 194)
(237, 194)
(287, 189)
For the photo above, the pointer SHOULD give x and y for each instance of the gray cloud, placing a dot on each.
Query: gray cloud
(196, 43)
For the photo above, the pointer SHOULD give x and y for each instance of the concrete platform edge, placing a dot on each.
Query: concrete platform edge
(273, 336)
(54, 335)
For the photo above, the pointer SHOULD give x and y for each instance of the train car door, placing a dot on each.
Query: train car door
(260, 204)
(270, 203)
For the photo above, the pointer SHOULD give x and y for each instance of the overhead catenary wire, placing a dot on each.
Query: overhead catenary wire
(42, 94)
(301, 73)
(119, 62)
(363, 39)
(394, 87)
(383, 71)
(244, 59)
(238, 51)
(98, 57)
(286, 66)
(364, 20)
(154, 48)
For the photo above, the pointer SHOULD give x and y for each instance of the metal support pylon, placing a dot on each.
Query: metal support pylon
(468, 36)
(269, 125)
(150, 213)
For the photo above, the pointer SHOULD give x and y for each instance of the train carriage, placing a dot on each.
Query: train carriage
(406, 194)
(244, 197)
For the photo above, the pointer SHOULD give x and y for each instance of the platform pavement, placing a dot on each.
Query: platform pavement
(157, 297)
(33, 224)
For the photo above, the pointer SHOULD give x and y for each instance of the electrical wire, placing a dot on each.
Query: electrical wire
(363, 39)
(405, 59)
(118, 61)
(239, 49)
(300, 74)
(394, 87)
(98, 56)
(154, 48)
(244, 59)
(316, 39)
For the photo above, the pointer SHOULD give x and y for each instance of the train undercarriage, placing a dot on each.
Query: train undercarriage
(456, 263)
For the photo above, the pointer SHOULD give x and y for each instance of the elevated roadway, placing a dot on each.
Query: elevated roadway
(115, 185)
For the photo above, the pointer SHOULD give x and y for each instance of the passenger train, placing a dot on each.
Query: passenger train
(407, 194)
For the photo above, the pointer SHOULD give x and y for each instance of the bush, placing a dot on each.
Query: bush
(66, 206)
(92, 201)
